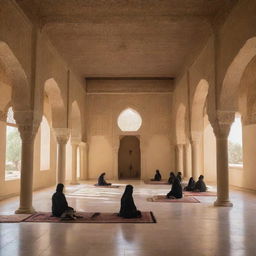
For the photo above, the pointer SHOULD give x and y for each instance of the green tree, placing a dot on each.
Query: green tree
(13, 152)
(235, 153)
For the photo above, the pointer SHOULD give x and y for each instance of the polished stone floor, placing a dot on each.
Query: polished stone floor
(181, 228)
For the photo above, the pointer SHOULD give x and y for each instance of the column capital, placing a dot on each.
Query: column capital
(62, 135)
(222, 125)
(28, 132)
(75, 141)
(28, 123)
(180, 146)
(82, 144)
(195, 137)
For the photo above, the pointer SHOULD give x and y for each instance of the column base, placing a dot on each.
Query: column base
(25, 211)
(218, 203)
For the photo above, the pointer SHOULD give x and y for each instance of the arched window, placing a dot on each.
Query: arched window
(235, 143)
(129, 120)
(13, 148)
(45, 145)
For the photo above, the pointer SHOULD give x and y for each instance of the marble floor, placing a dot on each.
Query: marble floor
(181, 228)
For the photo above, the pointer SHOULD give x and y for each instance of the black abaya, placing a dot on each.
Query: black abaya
(128, 208)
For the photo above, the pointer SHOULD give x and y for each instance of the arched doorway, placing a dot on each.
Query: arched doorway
(129, 166)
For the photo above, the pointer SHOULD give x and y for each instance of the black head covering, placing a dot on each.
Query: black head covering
(128, 190)
(191, 181)
(201, 177)
(128, 208)
(176, 190)
(59, 202)
(176, 184)
(191, 185)
(60, 188)
(200, 185)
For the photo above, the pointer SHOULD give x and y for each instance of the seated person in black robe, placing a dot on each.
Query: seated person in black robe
(191, 185)
(60, 206)
(176, 191)
(179, 176)
(200, 185)
(171, 178)
(157, 177)
(128, 208)
(101, 180)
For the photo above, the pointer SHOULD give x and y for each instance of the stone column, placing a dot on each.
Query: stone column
(195, 150)
(185, 160)
(27, 128)
(75, 145)
(221, 130)
(83, 160)
(62, 135)
(179, 150)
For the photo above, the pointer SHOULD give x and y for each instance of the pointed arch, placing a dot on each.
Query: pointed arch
(247, 93)
(56, 101)
(230, 87)
(12, 73)
(198, 106)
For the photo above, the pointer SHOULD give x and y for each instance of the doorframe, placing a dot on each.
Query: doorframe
(139, 138)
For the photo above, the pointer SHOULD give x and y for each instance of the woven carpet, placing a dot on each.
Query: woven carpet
(162, 198)
(92, 217)
(192, 193)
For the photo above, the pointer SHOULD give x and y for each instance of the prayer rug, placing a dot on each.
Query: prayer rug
(153, 182)
(14, 218)
(192, 193)
(162, 198)
(108, 186)
(92, 217)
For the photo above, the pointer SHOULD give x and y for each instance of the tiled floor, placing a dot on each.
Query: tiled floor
(181, 228)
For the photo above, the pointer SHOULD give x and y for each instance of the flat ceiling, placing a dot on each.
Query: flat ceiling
(127, 38)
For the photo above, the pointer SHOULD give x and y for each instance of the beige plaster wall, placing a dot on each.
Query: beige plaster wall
(154, 134)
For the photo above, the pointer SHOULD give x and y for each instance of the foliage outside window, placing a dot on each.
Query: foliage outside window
(235, 148)
(13, 148)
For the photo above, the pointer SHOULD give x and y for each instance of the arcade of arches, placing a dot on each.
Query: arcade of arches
(88, 87)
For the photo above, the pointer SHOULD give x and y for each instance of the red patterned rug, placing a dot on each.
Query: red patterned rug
(153, 182)
(162, 198)
(192, 193)
(15, 218)
(92, 217)
(108, 186)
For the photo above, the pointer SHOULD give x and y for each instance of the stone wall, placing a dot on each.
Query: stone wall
(104, 134)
